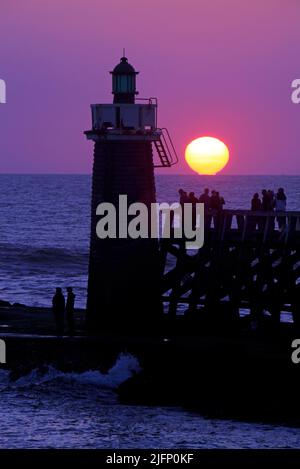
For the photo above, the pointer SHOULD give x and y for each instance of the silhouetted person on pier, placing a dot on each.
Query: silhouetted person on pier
(266, 201)
(271, 199)
(183, 197)
(280, 200)
(256, 204)
(214, 202)
(70, 310)
(58, 308)
(216, 205)
(271, 196)
(280, 206)
(193, 200)
(221, 201)
(267, 206)
(205, 199)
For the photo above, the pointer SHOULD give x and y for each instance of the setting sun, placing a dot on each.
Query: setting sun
(207, 155)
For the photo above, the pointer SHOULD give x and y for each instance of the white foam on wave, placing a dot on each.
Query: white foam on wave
(126, 365)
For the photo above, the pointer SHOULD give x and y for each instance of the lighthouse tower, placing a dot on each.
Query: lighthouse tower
(123, 284)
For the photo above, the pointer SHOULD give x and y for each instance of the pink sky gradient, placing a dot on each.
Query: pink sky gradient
(219, 68)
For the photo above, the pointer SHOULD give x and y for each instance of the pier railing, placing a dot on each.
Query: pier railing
(271, 226)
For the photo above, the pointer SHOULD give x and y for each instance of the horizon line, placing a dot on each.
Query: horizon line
(158, 174)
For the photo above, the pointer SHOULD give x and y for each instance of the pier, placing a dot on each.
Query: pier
(247, 262)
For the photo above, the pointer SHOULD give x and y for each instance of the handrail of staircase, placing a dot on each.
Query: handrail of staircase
(172, 153)
(165, 143)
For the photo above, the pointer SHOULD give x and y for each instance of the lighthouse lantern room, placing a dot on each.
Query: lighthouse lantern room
(126, 118)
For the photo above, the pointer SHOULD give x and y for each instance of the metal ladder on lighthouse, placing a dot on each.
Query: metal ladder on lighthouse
(165, 150)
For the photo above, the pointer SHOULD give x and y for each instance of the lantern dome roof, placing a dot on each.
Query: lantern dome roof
(124, 68)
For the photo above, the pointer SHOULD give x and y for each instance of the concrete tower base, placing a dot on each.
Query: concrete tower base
(123, 287)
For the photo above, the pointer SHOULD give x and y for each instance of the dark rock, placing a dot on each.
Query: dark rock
(4, 303)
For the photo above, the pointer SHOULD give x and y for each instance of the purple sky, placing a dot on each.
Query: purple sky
(219, 68)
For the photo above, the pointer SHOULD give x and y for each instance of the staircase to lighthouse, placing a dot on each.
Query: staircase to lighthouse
(124, 274)
(165, 150)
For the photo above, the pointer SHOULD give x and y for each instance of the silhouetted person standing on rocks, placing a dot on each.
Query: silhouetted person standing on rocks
(70, 310)
(58, 308)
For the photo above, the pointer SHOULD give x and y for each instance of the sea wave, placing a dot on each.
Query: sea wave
(11, 254)
(126, 366)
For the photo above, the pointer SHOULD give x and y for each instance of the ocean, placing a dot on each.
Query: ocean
(72, 410)
(45, 225)
(44, 244)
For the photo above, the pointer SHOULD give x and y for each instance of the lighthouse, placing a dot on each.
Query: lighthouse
(124, 273)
